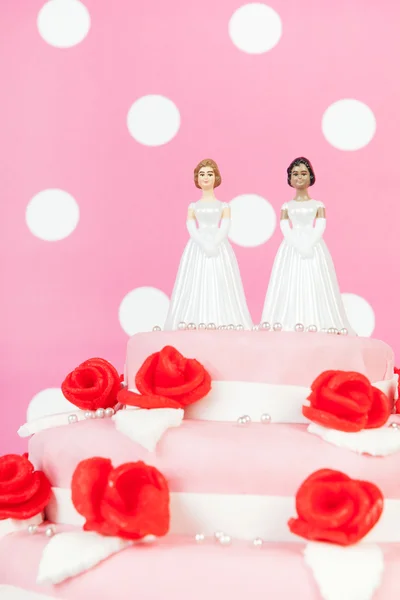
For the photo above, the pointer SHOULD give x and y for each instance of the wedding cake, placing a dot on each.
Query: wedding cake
(226, 460)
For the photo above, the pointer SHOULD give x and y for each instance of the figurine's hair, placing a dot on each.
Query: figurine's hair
(207, 162)
(301, 161)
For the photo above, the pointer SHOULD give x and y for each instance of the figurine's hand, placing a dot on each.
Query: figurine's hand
(305, 251)
(210, 249)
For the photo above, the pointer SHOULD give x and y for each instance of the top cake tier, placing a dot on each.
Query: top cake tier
(279, 358)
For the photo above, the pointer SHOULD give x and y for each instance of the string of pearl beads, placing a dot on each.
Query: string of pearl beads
(100, 413)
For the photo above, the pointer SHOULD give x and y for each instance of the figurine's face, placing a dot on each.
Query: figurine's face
(206, 178)
(300, 177)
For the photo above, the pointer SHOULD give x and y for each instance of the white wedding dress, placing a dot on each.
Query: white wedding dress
(304, 290)
(208, 289)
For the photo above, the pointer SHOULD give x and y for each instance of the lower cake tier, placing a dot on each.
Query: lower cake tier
(242, 480)
(179, 568)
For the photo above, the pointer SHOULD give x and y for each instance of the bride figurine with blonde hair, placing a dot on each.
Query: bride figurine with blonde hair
(208, 289)
(303, 292)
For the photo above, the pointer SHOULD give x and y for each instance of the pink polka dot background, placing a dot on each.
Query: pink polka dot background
(105, 109)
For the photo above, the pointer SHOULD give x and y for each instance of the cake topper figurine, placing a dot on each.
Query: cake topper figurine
(303, 292)
(208, 289)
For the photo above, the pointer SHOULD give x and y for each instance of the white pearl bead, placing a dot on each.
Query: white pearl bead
(277, 327)
(265, 418)
(211, 326)
(225, 540)
(156, 328)
(299, 327)
(332, 330)
(100, 413)
(191, 326)
(343, 331)
(88, 414)
(72, 419)
(239, 327)
(394, 425)
(199, 537)
(230, 326)
(218, 535)
(221, 327)
(49, 531)
(265, 326)
(255, 328)
(312, 328)
(109, 412)
(257, 542)
(202, 326)
(32, 529)
(182, 325)
(244, 420)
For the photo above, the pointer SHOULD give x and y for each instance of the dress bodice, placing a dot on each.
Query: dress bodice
(302, 214)
(208, 213)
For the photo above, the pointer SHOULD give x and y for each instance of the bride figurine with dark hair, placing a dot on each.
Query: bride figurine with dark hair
(303, 292)
(208, 289)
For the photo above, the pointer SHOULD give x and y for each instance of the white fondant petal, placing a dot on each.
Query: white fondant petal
(377, 442)
(12, 525)
(146, 426)
(49, 422)
(345, 573)
(74, 552)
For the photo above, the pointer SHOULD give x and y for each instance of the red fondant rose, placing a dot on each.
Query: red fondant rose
(168, 380)
(331, 507)
(94, 384)
(397, 372)
(346, 401)
(24, 492)
(131, 501)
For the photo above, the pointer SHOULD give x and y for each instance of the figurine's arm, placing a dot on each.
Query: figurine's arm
(284, 213)
(192, 227)
(291, 237)
(225, 224)
(287, 231)
(320, 224)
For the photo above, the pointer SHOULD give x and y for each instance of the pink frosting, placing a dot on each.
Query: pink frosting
(214, 457)
(265, 356)
(178, 569)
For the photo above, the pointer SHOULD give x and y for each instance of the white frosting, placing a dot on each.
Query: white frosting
(12, 525)
(345, 573)
(376, 442)
(229, 400)
(146, 427)
(242, 516)
(73, 552)
(50, 421)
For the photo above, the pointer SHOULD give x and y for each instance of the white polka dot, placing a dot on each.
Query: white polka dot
(153, 120)
(360, 314)
(253, 220)
(255, 28)
(142, 309)
(52, 215)
(63, 23)
(348, 124)
(48, 402)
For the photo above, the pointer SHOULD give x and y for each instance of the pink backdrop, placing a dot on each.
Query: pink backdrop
(79, 119)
